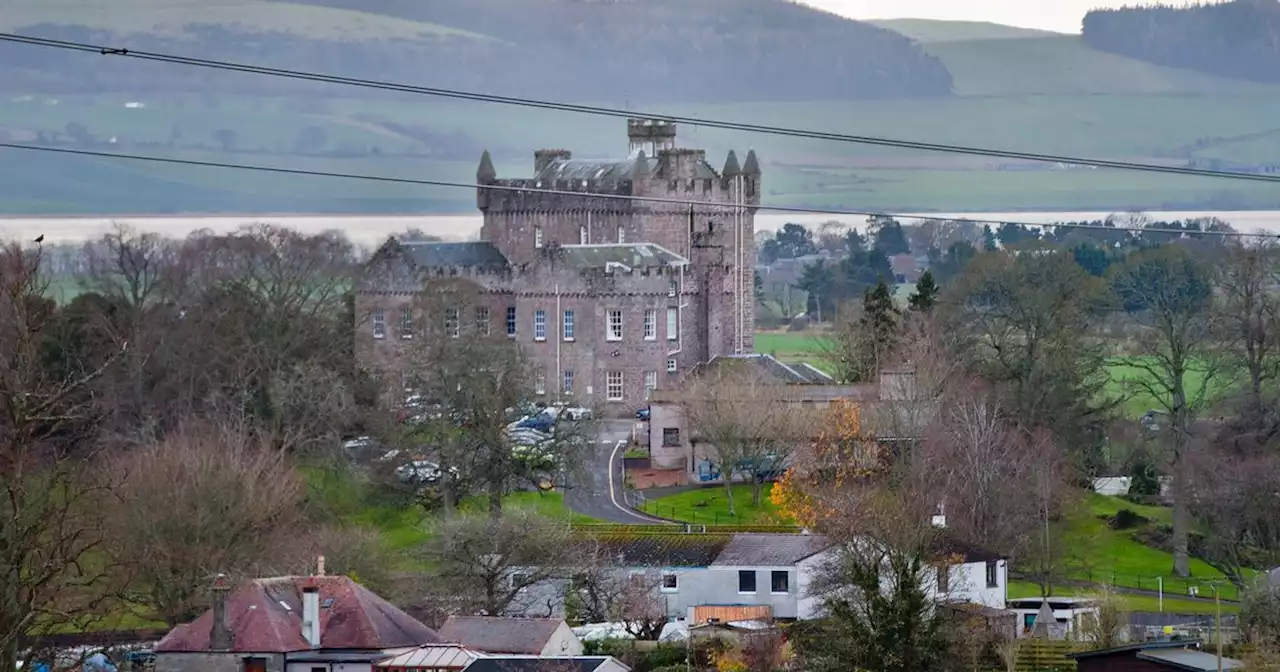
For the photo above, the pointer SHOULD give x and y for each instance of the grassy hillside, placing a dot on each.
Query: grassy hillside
(933, 31)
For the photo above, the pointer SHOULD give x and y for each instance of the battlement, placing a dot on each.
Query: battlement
(651, 135)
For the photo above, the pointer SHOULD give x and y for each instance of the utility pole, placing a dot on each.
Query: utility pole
(1217, 601)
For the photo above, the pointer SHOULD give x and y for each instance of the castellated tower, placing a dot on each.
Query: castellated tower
(659, 194)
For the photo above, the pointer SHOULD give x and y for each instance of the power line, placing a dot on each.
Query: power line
(596, 195)
(614, 112)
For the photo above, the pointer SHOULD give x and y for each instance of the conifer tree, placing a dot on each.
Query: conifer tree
(926, 294)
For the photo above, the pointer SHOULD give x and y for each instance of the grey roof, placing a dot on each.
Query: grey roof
(663, 550)
(534, 664)
(1145, 647)
(770, 550)
(500, 635)
(434, 255)
(612, 169)
(638, 255)
(1187, 659)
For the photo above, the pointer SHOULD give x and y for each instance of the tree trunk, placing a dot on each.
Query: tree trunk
(728, 492)
(1181, 522)
(495, 498)
(757, 492)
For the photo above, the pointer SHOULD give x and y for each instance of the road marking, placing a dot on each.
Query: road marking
(613, 492)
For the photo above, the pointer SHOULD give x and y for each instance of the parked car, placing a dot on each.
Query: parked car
(643, 414)
(543, 422)
(419, 471)
(359, 445)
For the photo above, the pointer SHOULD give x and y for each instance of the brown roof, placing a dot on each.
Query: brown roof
(500, 635)
(265, 616)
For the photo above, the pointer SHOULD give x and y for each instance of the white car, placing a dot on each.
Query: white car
(419, 471)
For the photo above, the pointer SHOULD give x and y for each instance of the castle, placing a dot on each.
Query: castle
(616, 276)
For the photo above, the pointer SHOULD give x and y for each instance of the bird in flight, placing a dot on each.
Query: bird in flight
(40, 239)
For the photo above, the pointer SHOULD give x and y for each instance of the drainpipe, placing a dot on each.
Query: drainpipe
(559, 381)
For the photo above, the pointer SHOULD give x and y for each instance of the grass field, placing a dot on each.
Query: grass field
(1134, 603)
(710, 506)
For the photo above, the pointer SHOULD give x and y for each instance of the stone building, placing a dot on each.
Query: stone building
(617, 276)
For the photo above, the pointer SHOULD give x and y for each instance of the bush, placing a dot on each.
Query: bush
(1126, 519)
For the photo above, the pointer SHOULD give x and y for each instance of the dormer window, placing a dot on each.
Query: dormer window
(537, 236)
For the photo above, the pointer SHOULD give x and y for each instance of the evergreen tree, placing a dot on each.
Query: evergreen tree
(926, 294)
(877, 335)
(989, 239)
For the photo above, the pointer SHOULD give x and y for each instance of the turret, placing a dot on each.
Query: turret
(751, 171)
(651, 135)
(485, 174)
(731, 168)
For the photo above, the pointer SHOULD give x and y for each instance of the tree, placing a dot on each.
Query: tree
(949, 264)
(861, 347)
(493, 566)
(790, 242)
(52, 574)
(742, 423)
(1233, 501)
(602, 590)
(1167, 292)
(889, 236)
(1250, 332)
(926, 294)
(817, 281)
(226, 138)
(205, 500)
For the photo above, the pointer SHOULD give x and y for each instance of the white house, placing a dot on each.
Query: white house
(514, 636)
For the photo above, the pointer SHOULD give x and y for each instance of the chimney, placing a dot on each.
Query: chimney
(220, 634)
(320, 566)
(311, 615)
(940, 518)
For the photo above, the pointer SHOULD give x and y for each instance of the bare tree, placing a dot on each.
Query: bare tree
(1233, 499)
(1168, 293)
(1108, 627)
(743, 423)
(208, 499)
(604, 591)
(496, 566)
(1250, 330)
(51, 575)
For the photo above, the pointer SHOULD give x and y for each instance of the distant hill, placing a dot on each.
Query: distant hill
(1235, 39)
(614, 50)
(928, 31)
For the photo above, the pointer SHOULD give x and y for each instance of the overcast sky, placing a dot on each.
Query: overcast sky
(1058, 15)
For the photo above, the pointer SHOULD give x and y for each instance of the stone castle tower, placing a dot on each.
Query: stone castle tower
(659, 194)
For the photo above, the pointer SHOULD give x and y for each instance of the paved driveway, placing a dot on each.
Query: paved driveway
(598, 490)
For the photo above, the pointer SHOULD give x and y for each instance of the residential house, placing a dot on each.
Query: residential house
(1179, 656)
(547, 664)
(291, 624)
(454, 658)
(518, 636)
(429, 658)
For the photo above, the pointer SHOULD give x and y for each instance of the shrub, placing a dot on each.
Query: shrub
(1126, 519)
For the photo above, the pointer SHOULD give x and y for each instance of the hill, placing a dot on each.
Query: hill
(669, 50)
(928, 31)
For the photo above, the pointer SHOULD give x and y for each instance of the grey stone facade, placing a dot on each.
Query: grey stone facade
(592, 237)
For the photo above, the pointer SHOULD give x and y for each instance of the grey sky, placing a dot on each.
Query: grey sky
(1058, 15)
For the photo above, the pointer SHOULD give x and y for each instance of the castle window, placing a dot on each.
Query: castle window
(613, 386)
(673, 287)
(650, 383)
(650, 325)
(582, 234)
(539, 325)
(673, 185)
(406, 324)
(451, 326)
(622, 235)
(673, 324)
(482, 321)
(672, 366)
(540, 382)
(568, 325)
(706, 186)
(537, 236)
(379, 323)
(511, 320)
(567, 388)
(689, 187)
(615, 326)
(670, 437)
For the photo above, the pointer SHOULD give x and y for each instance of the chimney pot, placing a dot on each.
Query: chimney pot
(320, 566)
(220, 638)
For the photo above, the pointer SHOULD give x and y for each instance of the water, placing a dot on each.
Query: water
(373, 229)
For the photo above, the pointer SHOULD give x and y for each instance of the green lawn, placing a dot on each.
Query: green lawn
(1140, 603)
(710, 506)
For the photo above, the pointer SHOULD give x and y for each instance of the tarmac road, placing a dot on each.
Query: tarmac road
(598, 491)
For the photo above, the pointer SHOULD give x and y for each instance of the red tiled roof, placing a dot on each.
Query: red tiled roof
(265, 616)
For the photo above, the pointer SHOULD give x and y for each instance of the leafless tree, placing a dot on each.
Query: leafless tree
(1250, 331)
(1108, 627)
(831, 237)
(207, 499)
(743, 423)
(1233, 498)
(51, 572)
(498, 565)
(604, 591)
(1168, 294)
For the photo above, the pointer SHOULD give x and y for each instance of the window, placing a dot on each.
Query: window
(780, 582)
(537, 236)
(582, 234)
(519, 580)
(670, 583)
(747, 581)
(451, 322)
(944, 579)
(482, 321)
(673, 324)
(670, 437)
(615, 325)
(379, 323)
(622, 235)
(511, 320)
(406, 324)
(613, 386)
(568, 325)
(539, 325)
(540, 383)
(650, 383)
(993, 574)
(650, 325)
(673, 287)
(567, 385)
(672, 366)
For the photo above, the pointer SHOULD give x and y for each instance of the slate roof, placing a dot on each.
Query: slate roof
(434, 255)
(1186, 659)
(500, 635)
(637, 255)
(533, 664)
(664, 550)
(770, 550)
(612, 169)
(265, 616)
(947, 546)
(767, 365)
(432, 656)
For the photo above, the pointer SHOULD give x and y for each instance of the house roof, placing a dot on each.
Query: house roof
(1186, 659)
(765, 365)
(948, 546)
(664, 550)
(450, 656)
(770, 550)
(1140, 646)
(636, 255)
(474, 254)
(265, 616)
(500, 635)
(536, 664)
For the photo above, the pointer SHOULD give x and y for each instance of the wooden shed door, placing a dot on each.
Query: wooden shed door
(255, 665)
